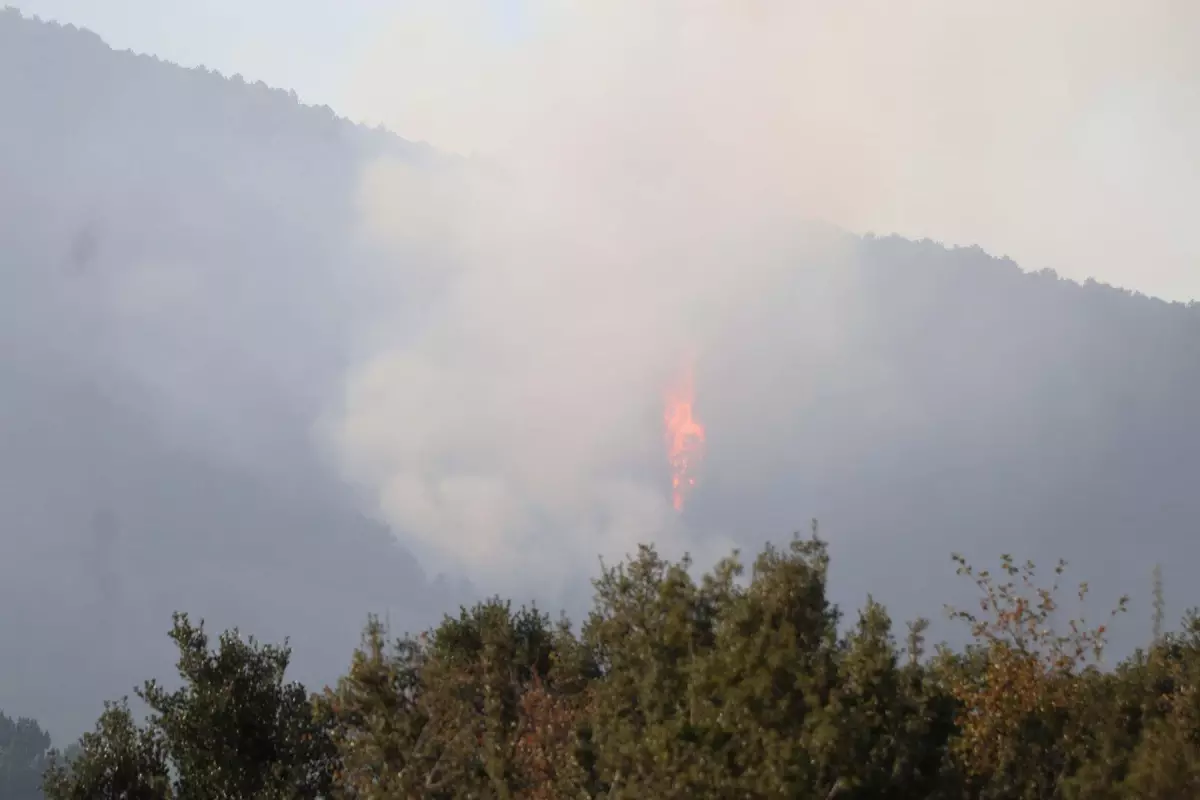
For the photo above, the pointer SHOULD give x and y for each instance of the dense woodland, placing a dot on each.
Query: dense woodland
(742, 682)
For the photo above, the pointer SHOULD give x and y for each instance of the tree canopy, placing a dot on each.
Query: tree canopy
(738, 682)
(24, 749)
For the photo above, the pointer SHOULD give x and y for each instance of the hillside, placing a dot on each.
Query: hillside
(180, 279)
(149, 461)
(1004, 411)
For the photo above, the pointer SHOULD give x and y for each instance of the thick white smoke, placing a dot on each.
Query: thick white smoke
(640, 171)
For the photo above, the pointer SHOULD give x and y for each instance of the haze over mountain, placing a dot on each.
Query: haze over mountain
(170, 330)
(252, 356)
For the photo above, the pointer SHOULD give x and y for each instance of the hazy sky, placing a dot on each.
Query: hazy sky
(310, 46)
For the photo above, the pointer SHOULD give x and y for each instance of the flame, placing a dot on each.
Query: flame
(685, 437)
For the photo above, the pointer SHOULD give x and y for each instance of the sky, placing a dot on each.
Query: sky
(309, 46)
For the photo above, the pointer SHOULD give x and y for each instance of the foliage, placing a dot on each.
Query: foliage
(234, 729)
(725, 684)
(1016, 727)
(24, 756)
(116, 761)
(483, 706)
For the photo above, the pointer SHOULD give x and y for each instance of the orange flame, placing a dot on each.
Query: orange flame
(685, 437)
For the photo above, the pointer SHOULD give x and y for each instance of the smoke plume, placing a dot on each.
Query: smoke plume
(639, 177)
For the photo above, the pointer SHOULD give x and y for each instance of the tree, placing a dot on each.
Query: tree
(1165, 762)
(718, 687)
(385, 740)
(24, 750)
(773, 675)
(236, 728)
(650, 631)
(474, 708)
(1022, 684)
(890, 726)
(676, 687)
(116, 761)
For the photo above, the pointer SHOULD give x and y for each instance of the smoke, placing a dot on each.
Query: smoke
(638, 175)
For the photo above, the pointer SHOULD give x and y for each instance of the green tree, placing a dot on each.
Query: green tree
(473, 708)
(388, 747)
(774, 673)
(890, 724)
(717, 688)
(649, 632)
(24, 752)
(725, 685)
(117, 761)
(1166, 760)
(235, 728)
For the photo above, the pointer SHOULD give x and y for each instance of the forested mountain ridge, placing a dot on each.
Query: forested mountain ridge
(179, 275)
(985, 409)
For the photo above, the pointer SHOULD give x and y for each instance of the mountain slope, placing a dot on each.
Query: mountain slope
(167, 239)
(181, 279)
(982, 409)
